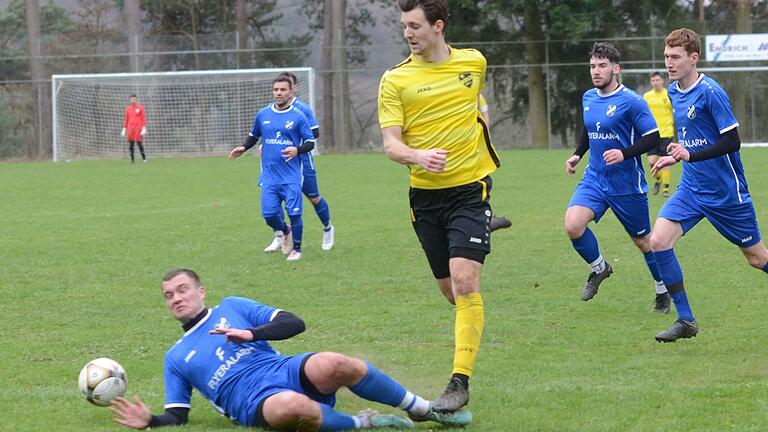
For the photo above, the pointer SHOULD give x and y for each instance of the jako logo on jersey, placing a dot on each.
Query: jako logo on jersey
(691, 112)
(265, 122)
(475, 240)
(586, 108)
(226, 366)
(189, 356)
(611, 110)
(220, 353)
(289, 124)
(466, 79)
(597, 125)
(744, 240)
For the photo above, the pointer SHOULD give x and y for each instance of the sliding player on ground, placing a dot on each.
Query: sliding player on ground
(614, 178)
(713, 184)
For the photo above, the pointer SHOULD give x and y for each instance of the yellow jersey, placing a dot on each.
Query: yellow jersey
(436, 104)
(661, 108)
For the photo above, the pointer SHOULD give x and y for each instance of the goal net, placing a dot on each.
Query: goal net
(192, 113)
(747, 88)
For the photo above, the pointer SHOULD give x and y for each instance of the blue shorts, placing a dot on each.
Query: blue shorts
(631, 210)
(737, 223)
(309, 187)
(273, 196)
(285, 375)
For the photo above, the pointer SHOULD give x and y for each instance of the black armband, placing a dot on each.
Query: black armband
(250, 142)
(171, 417)
(306, 147)
(283, 326)
(729, 142)
(583, 146)
(316, 132)
(643, 145)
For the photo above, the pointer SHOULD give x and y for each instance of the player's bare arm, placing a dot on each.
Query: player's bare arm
(613, 156)
(678, 152)
(432, 160)
(289, 153)
(662, 163)
(234, 335)
(236, 152)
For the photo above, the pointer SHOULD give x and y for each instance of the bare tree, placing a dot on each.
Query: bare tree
(327, 65)
(37, 74)
(241, 27)
(342, 114)
(537, 113)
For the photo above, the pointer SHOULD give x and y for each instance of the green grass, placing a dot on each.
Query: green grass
(83, 246)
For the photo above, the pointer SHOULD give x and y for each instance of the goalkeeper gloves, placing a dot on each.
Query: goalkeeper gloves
(123, 132)
(143, 131)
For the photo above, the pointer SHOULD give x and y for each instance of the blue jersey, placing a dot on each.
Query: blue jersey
(279, 130)
(615, 121)
(702, 114)
(306, 158)
(223, 372)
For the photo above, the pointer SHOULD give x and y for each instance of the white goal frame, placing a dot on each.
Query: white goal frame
(306, 86)
(714, 69)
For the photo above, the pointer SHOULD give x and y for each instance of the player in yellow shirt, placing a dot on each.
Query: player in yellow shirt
(661, 108)
(429, 118)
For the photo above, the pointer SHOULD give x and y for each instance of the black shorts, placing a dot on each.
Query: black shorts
(661, 149)
(453, 222)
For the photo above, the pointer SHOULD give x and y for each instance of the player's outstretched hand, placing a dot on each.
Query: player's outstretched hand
(289, 153)
(234, 335)
(570, 164)
(143, 131)
(678, 152)
(663, 162)
(613, 156)
(122, 133)
(432, 160)
(133, 414)
(236, 152)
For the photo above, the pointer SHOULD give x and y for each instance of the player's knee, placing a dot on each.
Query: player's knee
(573, 228)
(643, 243)
(660, 242)
(757, 261)
(315, 200)
(464, 283)
(339, 368)
(288, 409)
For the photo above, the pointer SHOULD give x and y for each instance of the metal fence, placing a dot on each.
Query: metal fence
(564, 69)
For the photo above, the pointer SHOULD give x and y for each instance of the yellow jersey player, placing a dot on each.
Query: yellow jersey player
(661, 109)
(430, 121)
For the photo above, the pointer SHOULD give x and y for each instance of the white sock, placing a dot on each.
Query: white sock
(598, 265)
(660, 287)
(414, 404)
(361, 422)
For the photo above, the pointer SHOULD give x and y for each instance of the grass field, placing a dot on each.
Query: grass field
(83, 246)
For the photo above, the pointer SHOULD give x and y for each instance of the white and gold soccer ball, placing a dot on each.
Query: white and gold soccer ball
(102, 380)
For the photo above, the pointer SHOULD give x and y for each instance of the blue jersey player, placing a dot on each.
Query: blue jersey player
(713, 185)
(224, 355)
(309, 187)
(618, 128)
(285, 134)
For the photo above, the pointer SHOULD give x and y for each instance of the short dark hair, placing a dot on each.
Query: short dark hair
(434, 10)
(605, 50)
(175, 272)
(291, 76)
(283, 78)
(133, 95)
(657, 73)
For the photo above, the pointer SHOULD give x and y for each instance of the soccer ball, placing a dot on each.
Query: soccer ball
(101, 381)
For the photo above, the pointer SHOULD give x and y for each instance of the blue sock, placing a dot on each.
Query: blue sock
(378, 387)
(297, 227)
(672, 275)
(650, 260)
(586, 246)
(276, 222)
(323, 212)
(334, 420)
(765, 268)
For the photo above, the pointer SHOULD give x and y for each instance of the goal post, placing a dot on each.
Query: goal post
(753, 129)
(191, 113)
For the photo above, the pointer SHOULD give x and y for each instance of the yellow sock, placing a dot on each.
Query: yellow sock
(657, 177)
(469, 329)
(665, 175)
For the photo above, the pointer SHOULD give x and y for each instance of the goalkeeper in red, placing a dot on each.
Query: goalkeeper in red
(135, 127)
